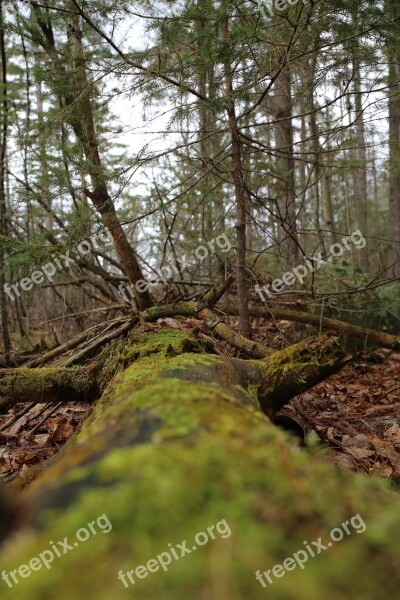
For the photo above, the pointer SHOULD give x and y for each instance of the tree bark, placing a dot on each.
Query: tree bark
(240, 193)
(3, 208)
(287, 235)
(393, 256)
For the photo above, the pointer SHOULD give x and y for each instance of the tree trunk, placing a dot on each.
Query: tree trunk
(242, 281)
(287, 233)
(177, 446)
(393, 259)
(79, 114)
(83, 123)
(360, 174)
(316, 168)
(3, 208)
(393, 55)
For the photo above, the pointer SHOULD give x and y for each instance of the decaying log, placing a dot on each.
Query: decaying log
(223, 331)
(298, 368)
(176, 445)
(55, 352)
(366, 335)
(45, 385)
(279, 378)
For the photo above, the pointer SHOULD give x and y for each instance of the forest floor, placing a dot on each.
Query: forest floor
(354, 415)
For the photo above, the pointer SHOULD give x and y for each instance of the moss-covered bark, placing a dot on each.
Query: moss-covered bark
(176, 444)
(279, 379)
(45, 385)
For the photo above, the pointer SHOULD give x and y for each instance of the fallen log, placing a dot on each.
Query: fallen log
(59, 350)
(176, 445)
(45, 385)
(366, 335)
(92, 348)
(226, 333)
(279, 378)
(202, 309)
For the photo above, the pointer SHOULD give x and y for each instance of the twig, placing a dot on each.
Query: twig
(213, 322)
(17, 416)
(382, 397)
(89, 350)
(53, 410)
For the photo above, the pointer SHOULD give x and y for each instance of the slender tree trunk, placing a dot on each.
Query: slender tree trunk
(393, 257)
(287, 232)
(360, 174)
(317, 173)
(303, 185)
(204, 148)
(329, 215)
(242, 281)
(83, 122)
(3, 207)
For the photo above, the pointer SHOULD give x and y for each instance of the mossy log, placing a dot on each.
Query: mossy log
(370, 336)
(278, 378)
(175, 445)
(45, 385)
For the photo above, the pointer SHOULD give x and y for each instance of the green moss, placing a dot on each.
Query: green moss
(298, 358)
(252, 390)
(195, 457)
(37, 381)
(140, 344)
(164, 458)
(188, 309)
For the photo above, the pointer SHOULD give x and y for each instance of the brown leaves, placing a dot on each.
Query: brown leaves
(19, 449)
(357, 414)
